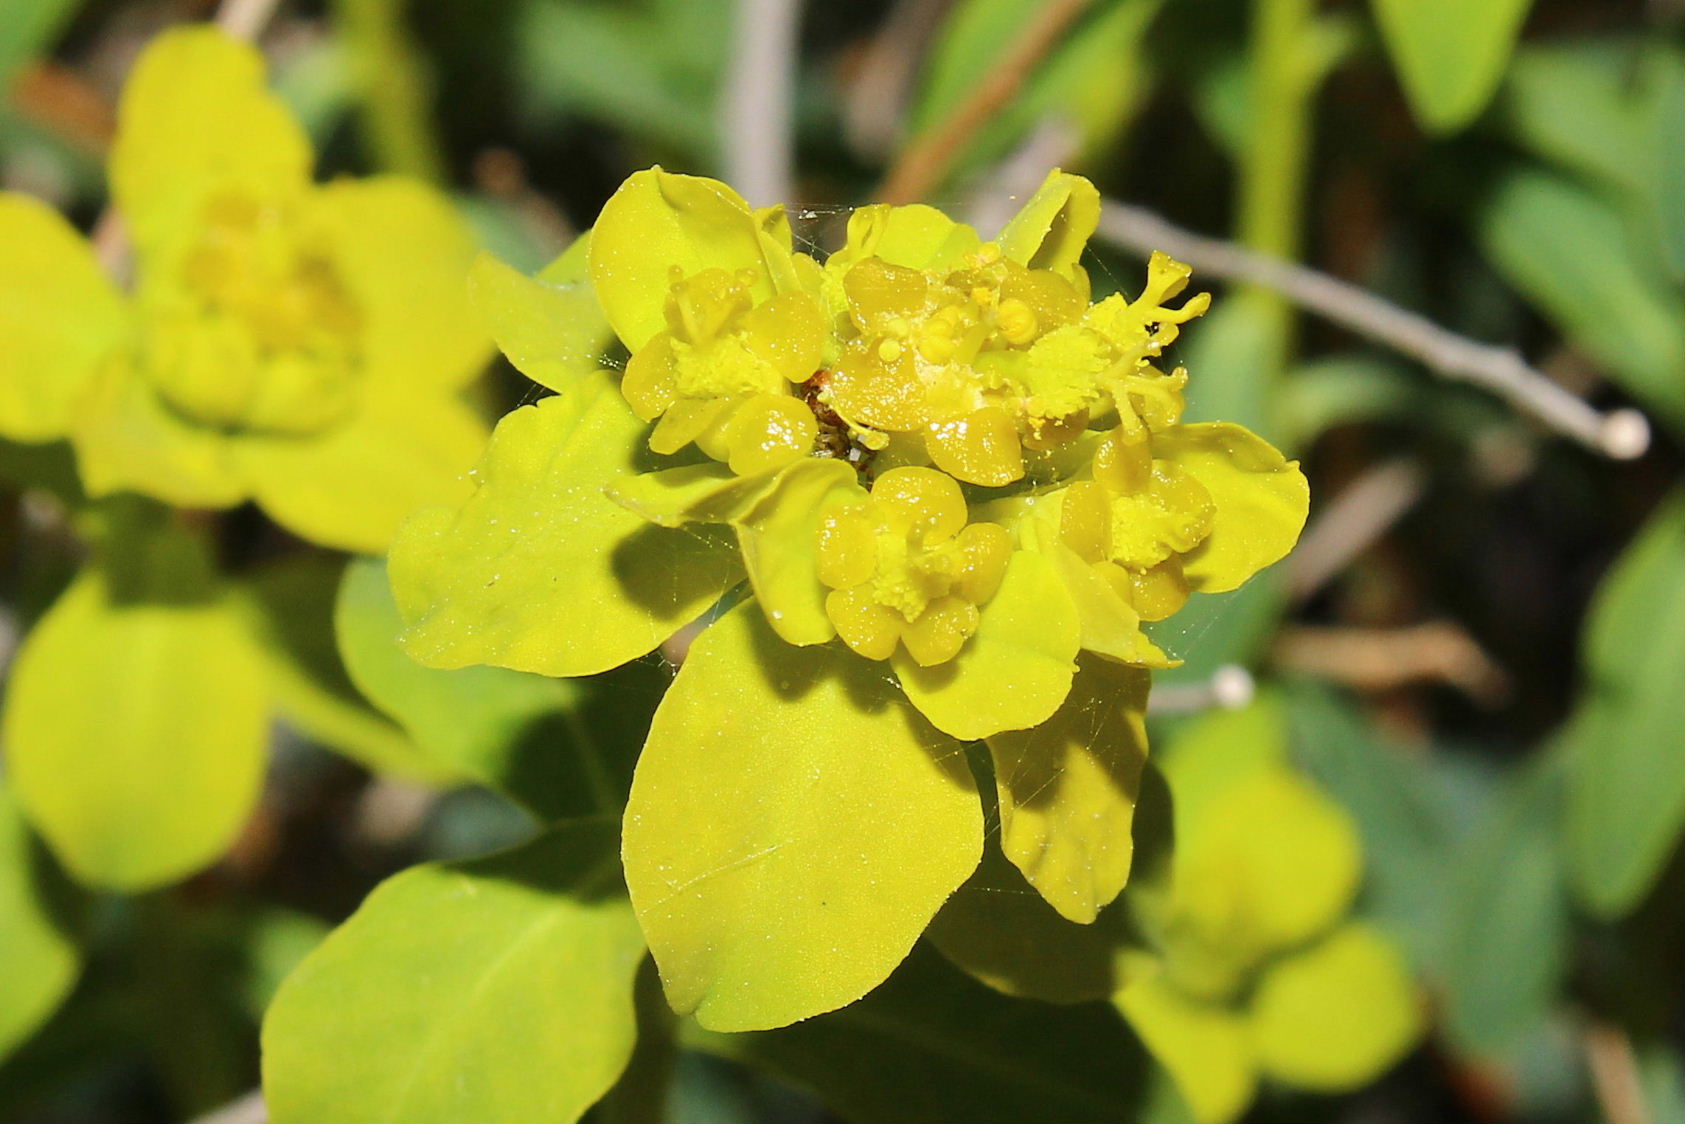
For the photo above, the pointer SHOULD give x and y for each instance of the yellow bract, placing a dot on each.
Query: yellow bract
(298, 345)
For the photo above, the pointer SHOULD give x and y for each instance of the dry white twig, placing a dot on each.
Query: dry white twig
(245, 19)
(876, 99)
(1621, 434)
(1229, 688)
(758, 99)
(245, 1109)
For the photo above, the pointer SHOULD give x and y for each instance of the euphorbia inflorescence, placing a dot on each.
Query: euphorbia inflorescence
(298, 344)
(956, 486)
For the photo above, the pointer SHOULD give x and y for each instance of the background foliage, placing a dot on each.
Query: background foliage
(1490, 683)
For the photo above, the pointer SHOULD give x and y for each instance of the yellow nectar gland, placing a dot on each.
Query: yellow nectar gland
(905, 568)
(250, 327)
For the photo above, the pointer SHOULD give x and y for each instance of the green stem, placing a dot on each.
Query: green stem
(1286, 70)
(392, 87)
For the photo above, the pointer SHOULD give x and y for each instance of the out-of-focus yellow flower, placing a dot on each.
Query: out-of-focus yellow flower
(295, 344)
(1262, 972)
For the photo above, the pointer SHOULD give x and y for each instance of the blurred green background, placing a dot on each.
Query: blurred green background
(1481, 641)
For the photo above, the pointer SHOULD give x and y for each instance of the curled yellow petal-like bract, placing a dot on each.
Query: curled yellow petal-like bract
(659, 222)
(539, 570)
(1260, 500)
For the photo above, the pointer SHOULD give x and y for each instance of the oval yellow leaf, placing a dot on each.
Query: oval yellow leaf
(1261, 500)
(1068, 788)
(1335, 1016)
(128, 793)
(59, 315)
(792, 828)
(38, 959)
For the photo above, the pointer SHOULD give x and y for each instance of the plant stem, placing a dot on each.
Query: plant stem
(924, 163)
(392, 87)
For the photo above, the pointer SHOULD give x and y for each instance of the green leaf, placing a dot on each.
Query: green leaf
(38, 959)
(1346, 389)
(497, 991)
(510, 730)
(289, 608)
(1509, 938)
(136, 717)
(793, 826)
(654, 76)
(1230, 353)
(1567, 250)
(29, 29)
(540, 571)
(931, 1046)
(1067, 789)
(1613, 111)
(1450, 54)
(1626, 791)
(1401, 814)
(1027, 638)
(1214, 629)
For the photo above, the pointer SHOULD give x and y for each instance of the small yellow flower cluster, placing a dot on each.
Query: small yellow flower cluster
(953, 487)
(974, 366)
(302, 345)
(251, 324)
(934, 363)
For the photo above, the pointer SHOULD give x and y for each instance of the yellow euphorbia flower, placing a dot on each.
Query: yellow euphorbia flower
(1262, 971)
(906, 568)
(295, 344)
(955, 488)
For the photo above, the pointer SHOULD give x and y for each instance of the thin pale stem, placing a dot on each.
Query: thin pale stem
(1622, 434)
(759, 97)
(245, 19)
